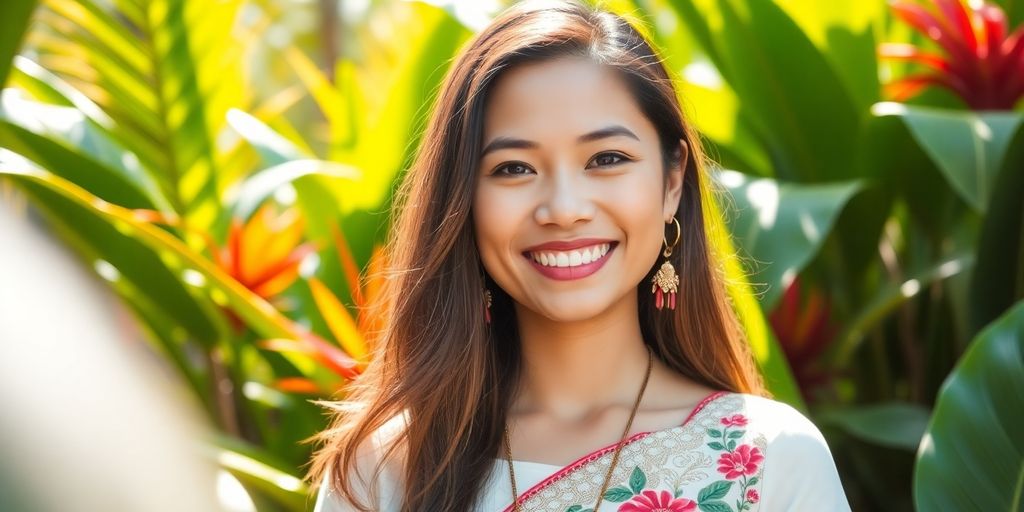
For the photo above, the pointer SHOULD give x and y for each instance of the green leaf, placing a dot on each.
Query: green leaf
(997, 279)
(618, 494)
(782, 225)
(262, 317)
(778, 377)
(166, 72)
(893, 424)
(248, 196)
(259, 470)
(63, 139)
(736, 434)
(574, 508)
(972, 455)
(843, 31)
(272, 147)
(14, 19)
(716, 445)
(637, 480)
(887, 299)
(714, 506)
(968, 147)
(784, 84)
(714, 491)
(732, 445)
(752, 481)
(714, 432)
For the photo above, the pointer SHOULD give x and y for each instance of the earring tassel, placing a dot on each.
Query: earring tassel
(665, 282)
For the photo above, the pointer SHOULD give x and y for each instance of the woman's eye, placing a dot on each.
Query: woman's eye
(514, 169)
(609, 159)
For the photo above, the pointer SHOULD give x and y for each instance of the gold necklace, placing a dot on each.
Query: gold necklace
(615, 456)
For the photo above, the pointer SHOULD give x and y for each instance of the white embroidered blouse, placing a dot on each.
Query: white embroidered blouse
(735, 452)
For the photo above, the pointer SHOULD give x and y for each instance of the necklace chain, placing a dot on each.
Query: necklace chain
(615, 456)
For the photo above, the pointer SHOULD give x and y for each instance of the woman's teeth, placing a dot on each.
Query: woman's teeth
(573, 258)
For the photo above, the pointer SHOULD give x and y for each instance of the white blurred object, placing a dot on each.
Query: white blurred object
(89, 422)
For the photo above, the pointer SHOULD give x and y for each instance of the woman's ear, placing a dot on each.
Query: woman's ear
(674, 188)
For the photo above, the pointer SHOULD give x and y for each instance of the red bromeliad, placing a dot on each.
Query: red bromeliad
(803, 325)
(981, 64)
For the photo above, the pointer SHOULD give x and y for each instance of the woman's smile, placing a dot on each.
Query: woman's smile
(571, 264)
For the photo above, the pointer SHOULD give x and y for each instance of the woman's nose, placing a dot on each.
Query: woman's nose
(566, 199)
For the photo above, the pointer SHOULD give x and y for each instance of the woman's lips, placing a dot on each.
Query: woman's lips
(570, 273)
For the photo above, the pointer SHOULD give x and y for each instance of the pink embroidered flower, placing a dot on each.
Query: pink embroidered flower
(736, 420)
(651, 501)
(743, 461)
(752, 495)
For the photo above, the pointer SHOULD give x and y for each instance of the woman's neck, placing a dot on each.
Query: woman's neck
(573, 370)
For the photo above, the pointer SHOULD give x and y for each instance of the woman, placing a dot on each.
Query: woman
(557, 325)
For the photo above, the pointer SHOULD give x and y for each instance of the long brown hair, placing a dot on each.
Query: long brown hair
(437, 364)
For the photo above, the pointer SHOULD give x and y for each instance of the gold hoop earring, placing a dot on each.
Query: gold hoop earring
(666, 282)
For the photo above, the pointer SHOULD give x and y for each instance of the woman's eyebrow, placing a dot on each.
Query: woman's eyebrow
(603, 133)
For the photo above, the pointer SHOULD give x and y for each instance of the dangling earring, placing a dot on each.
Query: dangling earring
(666, 281)
(487, 305)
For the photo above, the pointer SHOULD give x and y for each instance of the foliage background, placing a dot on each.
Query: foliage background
(226, 167)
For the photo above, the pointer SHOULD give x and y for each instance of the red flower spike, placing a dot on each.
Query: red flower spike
(981, 65)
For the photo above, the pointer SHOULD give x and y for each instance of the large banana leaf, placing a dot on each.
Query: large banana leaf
(998, 278)
(972, 456)
(781, 225)
(968, 147)
(845, 32)
(793, 98)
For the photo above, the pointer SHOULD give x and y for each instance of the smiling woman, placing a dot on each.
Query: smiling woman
(557, 333)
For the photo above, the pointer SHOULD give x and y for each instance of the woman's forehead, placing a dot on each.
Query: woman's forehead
(566, 96)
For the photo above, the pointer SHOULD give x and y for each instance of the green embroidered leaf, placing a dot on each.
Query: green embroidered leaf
(732, 445)
(735, 434)
(716, 445)
(714, 432)
(678, 492)
(714, 491)
(574, 508)
(637, 480)
(618, 494)
(752, 481)
(715, 506)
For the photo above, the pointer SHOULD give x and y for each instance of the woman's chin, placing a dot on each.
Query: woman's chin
(574, 307)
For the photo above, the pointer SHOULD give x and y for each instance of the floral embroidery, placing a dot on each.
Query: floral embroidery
(736, 420)
(741, 462)
(738, 464)
(650, 501)
(752, 495)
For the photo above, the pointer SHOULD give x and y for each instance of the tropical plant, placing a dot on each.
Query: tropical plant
(983, 65)
(867, 242)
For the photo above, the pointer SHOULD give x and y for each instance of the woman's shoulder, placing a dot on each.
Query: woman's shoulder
(378, 489)
(799, 469)
(775, 419)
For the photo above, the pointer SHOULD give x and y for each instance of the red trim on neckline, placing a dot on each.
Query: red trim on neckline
(596, 454)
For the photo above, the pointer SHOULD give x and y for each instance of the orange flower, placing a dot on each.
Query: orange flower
(264, 254)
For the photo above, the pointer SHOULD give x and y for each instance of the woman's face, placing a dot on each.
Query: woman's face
(568, 155)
